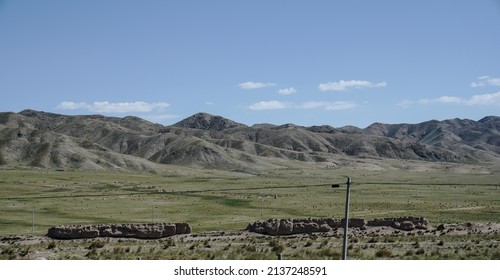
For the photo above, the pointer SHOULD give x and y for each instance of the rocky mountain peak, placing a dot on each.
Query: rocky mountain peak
(207, 121)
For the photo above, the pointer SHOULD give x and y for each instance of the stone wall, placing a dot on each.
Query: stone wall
(142, 231)
(403, 223)
(298, 226)
(312, 225)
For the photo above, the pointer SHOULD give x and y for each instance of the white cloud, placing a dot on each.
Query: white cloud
(485, 99)
(255, 85)
(286, 91)
(331, 106)
(486, 81)
(68, 105)
(268, 105)
(443, 99)
(314, 104)
(109, 107)
(344, 85)
(480, 99)
(405, 103)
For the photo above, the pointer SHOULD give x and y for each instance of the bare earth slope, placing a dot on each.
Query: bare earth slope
(93, 142)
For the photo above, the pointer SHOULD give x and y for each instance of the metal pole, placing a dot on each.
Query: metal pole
(261, 206)
(33, 221)
(362, 202)
(346, 225)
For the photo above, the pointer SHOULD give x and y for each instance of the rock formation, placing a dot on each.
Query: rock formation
(141, 231)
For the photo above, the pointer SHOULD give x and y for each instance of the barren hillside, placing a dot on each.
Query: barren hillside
(49, 140)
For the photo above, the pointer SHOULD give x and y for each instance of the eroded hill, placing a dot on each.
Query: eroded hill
(92, 142)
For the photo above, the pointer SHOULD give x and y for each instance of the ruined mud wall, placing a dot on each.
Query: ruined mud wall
(403, 223)
(142, 231)
(312, 225)
(298, 226)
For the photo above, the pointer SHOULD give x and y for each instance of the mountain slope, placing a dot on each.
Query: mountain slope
(49, 140)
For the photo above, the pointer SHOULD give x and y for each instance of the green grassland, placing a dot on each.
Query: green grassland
(217, 200)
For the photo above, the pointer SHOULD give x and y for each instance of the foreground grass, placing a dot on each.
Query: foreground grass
(241, 247)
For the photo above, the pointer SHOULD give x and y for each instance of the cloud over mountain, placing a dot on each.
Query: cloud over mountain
(478, 99)
(268, 105)
(110, 107)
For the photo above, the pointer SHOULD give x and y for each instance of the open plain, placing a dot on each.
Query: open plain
(460, 201)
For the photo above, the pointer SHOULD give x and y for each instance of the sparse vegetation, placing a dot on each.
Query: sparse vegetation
(52, 245)
(97, 244)
(236, 199)
(383, 253)
(257, 247)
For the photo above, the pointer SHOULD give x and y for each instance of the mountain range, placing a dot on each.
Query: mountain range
(94, 142)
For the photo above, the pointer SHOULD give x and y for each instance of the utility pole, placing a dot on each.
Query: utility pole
(152, 215)
(260, 206)
(33, 221)
(362, 202)
(346, 225)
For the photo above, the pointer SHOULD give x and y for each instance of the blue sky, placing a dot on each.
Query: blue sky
(283, 61)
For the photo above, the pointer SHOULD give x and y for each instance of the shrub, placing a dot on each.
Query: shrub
(251, 248)
(329, 252)
(97, 244)
(410, 253)
(206, 243)
(92, 254)
(51, 245)
(383, 253)
(276, 245)
(279, 248)
(420, 251)
(170, 242)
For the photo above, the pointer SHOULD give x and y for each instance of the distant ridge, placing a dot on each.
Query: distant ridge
(92, 142)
